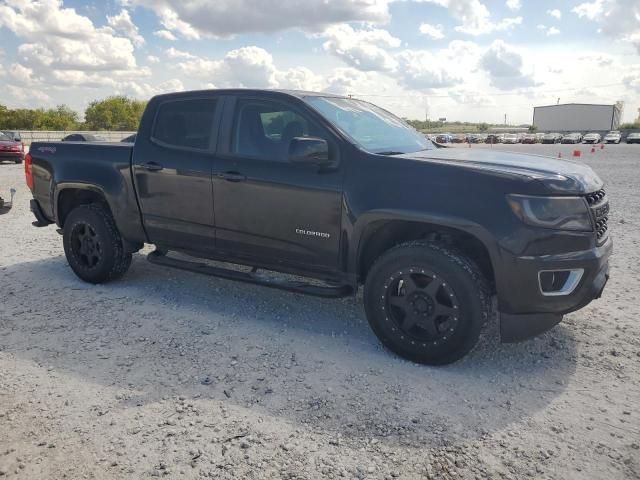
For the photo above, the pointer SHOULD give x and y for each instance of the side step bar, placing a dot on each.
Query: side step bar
(327, 291)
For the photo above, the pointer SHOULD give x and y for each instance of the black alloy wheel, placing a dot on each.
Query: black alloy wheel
(86, 246)
(422, 306)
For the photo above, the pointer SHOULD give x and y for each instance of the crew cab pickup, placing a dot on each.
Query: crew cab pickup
(341, 193)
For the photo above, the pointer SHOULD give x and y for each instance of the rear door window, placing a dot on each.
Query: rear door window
(185, 123)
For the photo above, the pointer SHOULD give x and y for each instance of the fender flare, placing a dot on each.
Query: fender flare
(61, 187)
(449, 221)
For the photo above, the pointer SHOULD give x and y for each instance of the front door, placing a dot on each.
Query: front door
(172, 171)
(266, 207)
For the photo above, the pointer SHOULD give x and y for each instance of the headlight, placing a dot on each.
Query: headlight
(560, 213)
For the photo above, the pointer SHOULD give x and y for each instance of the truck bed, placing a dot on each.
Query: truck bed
(60, 166)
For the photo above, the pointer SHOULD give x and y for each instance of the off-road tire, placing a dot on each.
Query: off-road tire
(113, 262)
(457, 273)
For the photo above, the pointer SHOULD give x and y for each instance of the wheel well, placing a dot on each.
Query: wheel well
(383, 235)
(70, 198)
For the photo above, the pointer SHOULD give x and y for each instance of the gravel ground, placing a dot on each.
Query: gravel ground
(171, 374)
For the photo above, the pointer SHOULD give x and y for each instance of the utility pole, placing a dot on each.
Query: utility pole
(505, 118)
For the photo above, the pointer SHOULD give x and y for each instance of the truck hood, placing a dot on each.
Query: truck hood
(559, 176)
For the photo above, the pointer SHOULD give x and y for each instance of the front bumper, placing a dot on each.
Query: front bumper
(526, 312)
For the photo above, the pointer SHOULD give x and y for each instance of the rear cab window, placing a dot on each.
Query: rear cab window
(185, 123)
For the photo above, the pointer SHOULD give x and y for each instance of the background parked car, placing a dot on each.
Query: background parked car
(444, 138)
(510, 138)
(591, 138)
(494, 138)
(82, 137)
(575, 137)
(633, 137)
(613, 136)
(529, 138)
(460, 138)
(553, 137)
(10, 149)
(12, 134)
(540, 136)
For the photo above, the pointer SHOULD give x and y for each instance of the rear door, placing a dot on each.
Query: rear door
(266, 207)
(172, 164)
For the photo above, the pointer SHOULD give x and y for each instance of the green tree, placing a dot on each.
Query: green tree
(533, 128)
(483, 127)
(114, 113)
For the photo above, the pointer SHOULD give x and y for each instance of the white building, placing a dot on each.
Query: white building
(577, 117)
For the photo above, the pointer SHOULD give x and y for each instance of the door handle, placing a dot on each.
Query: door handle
(232, 176)
(152, 166)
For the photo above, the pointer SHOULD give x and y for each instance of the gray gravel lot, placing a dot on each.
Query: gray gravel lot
(171, 374)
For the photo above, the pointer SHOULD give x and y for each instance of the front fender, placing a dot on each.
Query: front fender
(452, 222)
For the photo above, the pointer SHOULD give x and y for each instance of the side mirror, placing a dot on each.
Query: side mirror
(309, 151)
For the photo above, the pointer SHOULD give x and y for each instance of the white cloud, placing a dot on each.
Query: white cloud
(62, 49)
(432, 31)
(152, 59)
(590, 10)
(122, 23)
(58, 39)
(474, 17)
(222, 18)
(600, 59)
(505, 67)
(165, 34)
(619, 19)
(419, 69)
(362, 49)
(249, 67)
(632, 78)
(299, 78)
(514, 4)
(555, 13)
(175, 53)
(346, 81)
(549, 31)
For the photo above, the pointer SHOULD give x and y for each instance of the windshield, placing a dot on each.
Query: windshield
(371, 127)
(4, 137)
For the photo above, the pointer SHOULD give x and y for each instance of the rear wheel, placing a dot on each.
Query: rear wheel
(426, 302)
(93, 246)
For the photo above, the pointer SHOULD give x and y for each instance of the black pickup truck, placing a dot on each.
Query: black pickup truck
(342, 193)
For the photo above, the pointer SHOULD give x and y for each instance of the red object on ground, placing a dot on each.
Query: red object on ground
(602, 146)
(577, 153)
(559, 155)
(593, 149)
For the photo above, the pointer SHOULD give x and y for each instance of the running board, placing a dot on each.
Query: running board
(327, 291)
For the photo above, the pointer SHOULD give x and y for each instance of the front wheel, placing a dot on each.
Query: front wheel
(93, 246)
(426, 302)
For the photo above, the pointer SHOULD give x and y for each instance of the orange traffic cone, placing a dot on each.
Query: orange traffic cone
(559, 155)
(577, 153)
(593, 149)
(602, 146)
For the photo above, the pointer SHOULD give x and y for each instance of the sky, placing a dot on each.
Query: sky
(463, 60)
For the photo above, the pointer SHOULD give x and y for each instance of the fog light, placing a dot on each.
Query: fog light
(555, 283)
